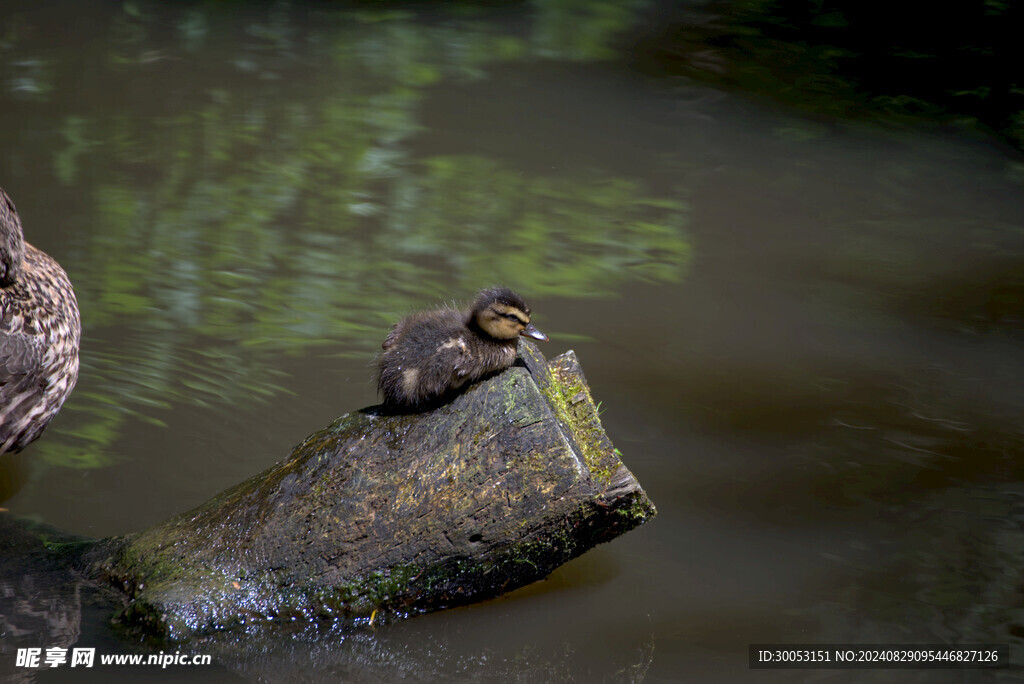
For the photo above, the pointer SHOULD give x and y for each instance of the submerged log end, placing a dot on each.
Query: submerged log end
(391, 515)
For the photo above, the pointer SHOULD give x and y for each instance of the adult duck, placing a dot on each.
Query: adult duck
(40, 330)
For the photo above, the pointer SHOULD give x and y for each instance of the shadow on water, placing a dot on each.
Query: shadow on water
(851, 58)
(977, 298)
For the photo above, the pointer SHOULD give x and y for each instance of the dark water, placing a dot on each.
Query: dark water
(806, 336)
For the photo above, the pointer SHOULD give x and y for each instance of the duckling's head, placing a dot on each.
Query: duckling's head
(504, 315)
(12, 244)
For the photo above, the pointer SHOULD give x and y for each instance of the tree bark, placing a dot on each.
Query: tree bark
(378, 515)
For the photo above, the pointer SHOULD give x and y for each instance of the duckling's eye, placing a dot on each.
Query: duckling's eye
(513, 317)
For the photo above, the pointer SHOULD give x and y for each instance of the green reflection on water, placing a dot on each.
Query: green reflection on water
(249, 196)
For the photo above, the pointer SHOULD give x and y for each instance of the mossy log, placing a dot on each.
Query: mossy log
(381, 515)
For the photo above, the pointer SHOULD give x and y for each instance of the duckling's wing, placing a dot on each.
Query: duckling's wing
(460, 359)
(445, 366)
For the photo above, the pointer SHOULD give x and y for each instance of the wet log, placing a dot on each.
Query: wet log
(377, 516)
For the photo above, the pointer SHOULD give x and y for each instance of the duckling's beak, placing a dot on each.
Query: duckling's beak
(531, 331)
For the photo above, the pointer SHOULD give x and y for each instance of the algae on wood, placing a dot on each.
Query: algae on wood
(394, 514)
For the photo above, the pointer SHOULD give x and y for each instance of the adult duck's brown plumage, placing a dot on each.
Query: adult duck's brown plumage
(431, 354)
(39, 335)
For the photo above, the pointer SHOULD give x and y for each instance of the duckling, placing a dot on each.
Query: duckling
(430, 354)
(40, 331)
